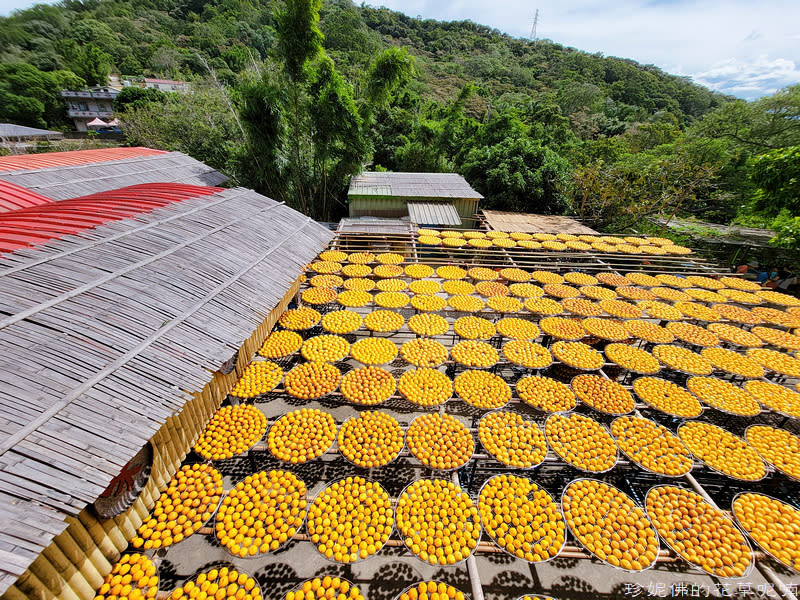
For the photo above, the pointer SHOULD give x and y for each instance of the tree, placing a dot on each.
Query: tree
(299, 36)
(776, 175)
(22, 110)
(787, 231)
(766, 124)
(299, 42)
(263, 161)
(91, 31)
(390, 70)
(166, 61)
(519, 174)
(138, 97)
(305, 136)
(32, 97)
(200, 124)
(619, 195)
(95, 65)
(346, 34)
(337, 134)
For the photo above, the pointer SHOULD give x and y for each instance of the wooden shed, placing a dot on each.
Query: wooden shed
(125, 333)
(432, 199)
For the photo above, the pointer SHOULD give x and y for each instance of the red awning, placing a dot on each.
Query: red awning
(72, 158)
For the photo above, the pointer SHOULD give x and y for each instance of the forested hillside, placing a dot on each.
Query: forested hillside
(293, 97)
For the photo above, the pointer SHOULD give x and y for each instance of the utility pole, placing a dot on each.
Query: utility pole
(535, 23)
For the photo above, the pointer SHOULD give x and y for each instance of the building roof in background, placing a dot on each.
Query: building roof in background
(14, 197)
(172, 81)
(51, 220)
(129, 318)
(62, 177)
(72, 158)
(531, 223)
(18, 132)
(411, 185)
(433, 213)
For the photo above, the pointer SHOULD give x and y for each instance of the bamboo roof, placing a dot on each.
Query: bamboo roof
(107, 333)
(63, 181)
(531, 223)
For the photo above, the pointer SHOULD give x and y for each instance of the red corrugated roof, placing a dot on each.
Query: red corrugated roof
(72, 158)
(14, 197)
(38, 224)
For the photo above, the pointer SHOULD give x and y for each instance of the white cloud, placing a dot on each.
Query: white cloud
(699, 38)
(750, 79)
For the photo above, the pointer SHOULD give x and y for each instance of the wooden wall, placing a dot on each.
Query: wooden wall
(75, 564)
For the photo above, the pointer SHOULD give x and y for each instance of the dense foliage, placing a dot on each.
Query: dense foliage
(294, 96)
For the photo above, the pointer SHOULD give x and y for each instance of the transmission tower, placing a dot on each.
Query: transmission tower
(535, 23)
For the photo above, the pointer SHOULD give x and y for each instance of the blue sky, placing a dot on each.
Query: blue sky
(745, 48)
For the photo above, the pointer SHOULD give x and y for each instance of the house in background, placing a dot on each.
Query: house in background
(86, 105)
(435, 199)
(166, 85)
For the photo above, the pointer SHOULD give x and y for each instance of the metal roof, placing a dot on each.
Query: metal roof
(149, 80)
(129, 319)
(14, 197)
(433, 213)
(76, 178)
(411, 185)
(39, 224)
(11, 131)
(72, 157)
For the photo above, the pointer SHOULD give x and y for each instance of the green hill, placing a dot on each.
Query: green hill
(177, 39)
(454, 53)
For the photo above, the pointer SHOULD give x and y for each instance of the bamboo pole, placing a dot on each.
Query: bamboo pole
(77, 556)
(44, 570)
(14, 593)
(30, 586)
(91, 550)
(68, 570)
(99, 536)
